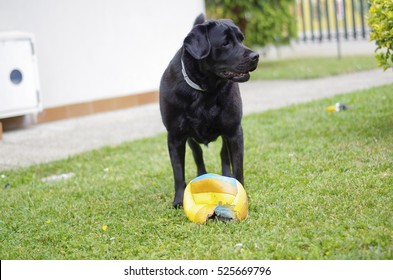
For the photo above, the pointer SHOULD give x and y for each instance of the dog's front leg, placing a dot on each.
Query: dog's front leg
(177, 150)
(225, 159)
(235, 146)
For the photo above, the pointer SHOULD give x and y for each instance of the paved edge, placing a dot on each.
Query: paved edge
(58, 140)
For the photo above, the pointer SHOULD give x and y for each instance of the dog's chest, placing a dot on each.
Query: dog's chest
(205, 120)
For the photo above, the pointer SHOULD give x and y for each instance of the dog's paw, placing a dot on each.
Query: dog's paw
(177, 204)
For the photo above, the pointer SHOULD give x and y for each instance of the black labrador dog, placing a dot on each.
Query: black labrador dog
(200, 98)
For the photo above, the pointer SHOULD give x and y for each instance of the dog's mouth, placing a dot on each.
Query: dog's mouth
(239, 74)
(236, 76)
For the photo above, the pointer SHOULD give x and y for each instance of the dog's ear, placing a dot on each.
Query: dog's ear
(197, 42)
(199, 19)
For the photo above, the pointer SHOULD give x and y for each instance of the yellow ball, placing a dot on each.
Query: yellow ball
(212, 195)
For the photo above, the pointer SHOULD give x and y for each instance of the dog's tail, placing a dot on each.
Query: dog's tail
(200, 19)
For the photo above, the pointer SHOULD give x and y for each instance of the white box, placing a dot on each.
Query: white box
(19, 84)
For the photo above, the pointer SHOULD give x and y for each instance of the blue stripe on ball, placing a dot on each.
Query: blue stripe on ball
(229, 180)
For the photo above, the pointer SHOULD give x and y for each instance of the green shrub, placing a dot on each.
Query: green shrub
(381, 22)
(262, 21)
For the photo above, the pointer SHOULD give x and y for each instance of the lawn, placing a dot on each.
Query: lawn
(319, 183)
(312, 67)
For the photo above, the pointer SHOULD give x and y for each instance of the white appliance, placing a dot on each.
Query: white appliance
(19, 84)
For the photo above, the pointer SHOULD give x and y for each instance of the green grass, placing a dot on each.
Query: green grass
(320, 187)
(312, 67)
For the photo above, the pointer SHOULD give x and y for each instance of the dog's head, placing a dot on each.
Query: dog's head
(218, 44)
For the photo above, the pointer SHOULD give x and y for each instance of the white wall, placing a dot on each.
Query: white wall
(94, 49)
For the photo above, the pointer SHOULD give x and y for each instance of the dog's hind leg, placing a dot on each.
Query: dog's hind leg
(198, 156)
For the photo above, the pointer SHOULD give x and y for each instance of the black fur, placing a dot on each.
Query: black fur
(215, 59)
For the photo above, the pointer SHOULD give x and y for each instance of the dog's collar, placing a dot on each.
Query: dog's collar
(187, 79)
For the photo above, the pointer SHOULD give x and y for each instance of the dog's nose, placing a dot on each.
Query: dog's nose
(254, 56)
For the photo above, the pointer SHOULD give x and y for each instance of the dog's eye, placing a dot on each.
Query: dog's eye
(225, 44)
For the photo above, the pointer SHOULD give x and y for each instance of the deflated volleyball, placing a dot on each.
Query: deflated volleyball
(214, 196)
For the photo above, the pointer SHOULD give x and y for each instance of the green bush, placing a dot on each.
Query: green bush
(381, 22)
(262, 21)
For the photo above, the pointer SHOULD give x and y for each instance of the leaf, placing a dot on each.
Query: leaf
(263, 22)
(381, 21)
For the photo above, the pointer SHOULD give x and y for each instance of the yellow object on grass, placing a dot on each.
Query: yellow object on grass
(214, 196)
(336, 108)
